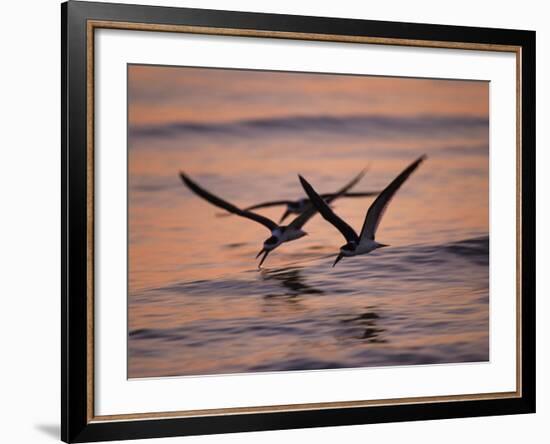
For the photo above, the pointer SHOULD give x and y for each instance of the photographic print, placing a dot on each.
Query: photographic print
(290, 221)
(275, 222)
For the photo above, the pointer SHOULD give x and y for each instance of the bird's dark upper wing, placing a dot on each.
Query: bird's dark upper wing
(214, 200)
(273, 203)
(327, 213)
(311, 209)
(352, 194)
(378, 207)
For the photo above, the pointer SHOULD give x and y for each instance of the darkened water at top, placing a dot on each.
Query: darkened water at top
(197, 302)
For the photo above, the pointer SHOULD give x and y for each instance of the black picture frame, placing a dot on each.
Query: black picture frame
(76, 423)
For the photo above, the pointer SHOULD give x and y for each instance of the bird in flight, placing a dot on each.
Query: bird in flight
(364, 242)
(299, 206)
(279, 233)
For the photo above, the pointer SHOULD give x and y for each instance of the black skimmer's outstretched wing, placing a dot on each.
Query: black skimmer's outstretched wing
(276, 203)
(319, 203)
(326, 196)
(214, 200)
(273, 203)
(313, 208)
(378, 207)
(352, 194)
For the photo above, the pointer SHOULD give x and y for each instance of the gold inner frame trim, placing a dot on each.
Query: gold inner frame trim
(92, 25)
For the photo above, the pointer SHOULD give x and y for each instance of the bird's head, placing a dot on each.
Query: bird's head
(346, 250)
(295, 207)
(287, 213)
(270, 244)
(302, 204)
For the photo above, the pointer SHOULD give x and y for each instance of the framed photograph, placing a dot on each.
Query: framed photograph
(276, 221)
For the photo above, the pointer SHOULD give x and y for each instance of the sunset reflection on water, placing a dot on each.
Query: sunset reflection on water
(198, 304)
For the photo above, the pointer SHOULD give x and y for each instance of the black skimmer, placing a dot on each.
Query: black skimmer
(279, 233)
(299, 206)
(364, 242)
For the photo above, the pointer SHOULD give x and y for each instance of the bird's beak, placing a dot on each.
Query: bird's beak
(285, 215)
(266, 252)
(338, 259)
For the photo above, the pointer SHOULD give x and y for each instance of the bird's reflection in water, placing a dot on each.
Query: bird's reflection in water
(364, 326)
(292, 282)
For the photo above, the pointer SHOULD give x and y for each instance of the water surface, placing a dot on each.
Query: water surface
(197, 303)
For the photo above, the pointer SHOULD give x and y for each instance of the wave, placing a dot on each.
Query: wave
(410, 258)
(476, 249)
(404, 261)
(360, 124)
(471, 248)
(415, 304)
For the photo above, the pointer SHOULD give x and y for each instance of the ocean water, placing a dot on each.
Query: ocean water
(197, 302)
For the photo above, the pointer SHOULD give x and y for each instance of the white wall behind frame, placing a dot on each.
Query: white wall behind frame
(29, 234)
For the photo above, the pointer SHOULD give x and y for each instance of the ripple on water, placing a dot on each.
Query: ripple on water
(404, 306)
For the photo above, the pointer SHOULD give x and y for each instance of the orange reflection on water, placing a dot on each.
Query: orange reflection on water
(197, 304)
(161, 94)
